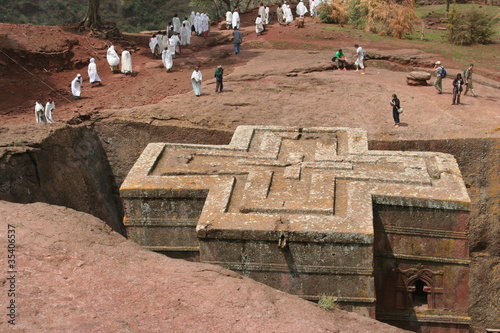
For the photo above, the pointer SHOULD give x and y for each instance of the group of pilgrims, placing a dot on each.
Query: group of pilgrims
(166, 44)
(284, 14)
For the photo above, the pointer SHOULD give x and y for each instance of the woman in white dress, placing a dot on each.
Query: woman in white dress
(92, 71)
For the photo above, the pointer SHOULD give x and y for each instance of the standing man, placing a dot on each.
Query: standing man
(196, 79)
(361, 57)
(237, 39)
(438, 84)
(76, 86)
(219, 72)
(468, 81)
(49, 110)
(40, 117)
(236, 19)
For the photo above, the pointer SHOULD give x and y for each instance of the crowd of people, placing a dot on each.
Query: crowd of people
(166, 44)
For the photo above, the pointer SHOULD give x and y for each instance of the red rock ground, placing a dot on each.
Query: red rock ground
(75, 275)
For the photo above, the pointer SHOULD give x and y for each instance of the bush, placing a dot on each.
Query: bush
(357, 13)
(334, 12)
(470, 27)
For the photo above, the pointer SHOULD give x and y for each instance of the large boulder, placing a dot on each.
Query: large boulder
(417, 78)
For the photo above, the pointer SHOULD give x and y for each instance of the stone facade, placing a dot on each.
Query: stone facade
(311, 211)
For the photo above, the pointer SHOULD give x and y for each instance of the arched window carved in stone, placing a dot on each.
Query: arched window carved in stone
(420, 287)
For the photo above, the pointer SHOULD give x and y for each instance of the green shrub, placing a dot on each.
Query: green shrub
(470, 27)
(328, 302)
(357, 14)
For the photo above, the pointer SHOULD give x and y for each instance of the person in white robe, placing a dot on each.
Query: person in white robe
(175, 40)
(76, 86)
(39, 112)
(268, 17)
(301, 9)
(162, 42)
(197, 24)
(196, 79)
(167, 59)
(153, 44)
(314, 7)
(186, 22)
(113, 59)
(229, 19)
(287, 12)
(49, 110)
(258, 25)
(191, 19)
(262, 12)
(93, 75)
(185, 34)
(171, 46)
(176, 22)
(205, 24)
(236, 19)
(126, 62)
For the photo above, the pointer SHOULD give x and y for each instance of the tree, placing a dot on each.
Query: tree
(92, 20)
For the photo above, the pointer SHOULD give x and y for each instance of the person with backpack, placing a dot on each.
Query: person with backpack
(458, 82)
(440, 75)
(361, 54)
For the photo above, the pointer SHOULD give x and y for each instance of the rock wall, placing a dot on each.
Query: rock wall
(61, 165)
(479, 161)
(124, 141)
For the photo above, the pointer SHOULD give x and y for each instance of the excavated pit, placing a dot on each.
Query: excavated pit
(82, 167)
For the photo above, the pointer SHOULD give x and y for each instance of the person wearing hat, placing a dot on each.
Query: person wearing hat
(438, 83)
(219, 72)
(76, 86)
(49, 110)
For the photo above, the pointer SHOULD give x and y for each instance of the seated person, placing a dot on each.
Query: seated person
(340, 60)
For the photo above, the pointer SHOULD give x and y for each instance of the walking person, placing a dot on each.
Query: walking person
(126, 62)
(39, 112)
(219, 72)
(237, 39)
(395, 110)
(196, 79)
(438, 83)
(93, 75)
(359, 63)
(468, 81)
(76, 86)
(458, 82)
(113, 59)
